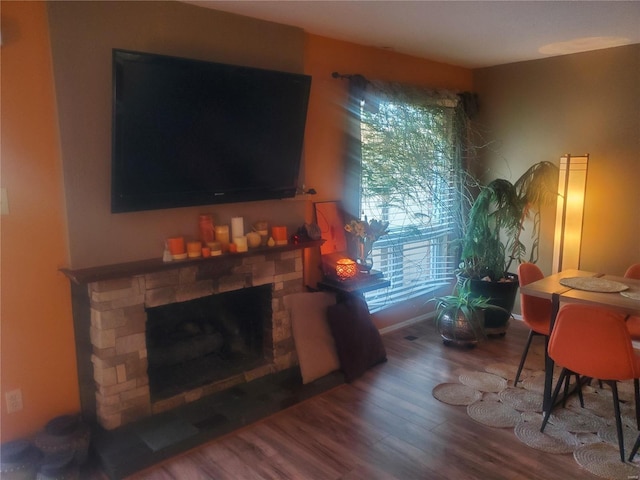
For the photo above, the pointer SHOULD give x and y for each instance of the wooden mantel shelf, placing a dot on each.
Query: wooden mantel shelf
(141, 267)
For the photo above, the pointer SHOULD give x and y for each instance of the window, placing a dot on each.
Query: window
(410, 174)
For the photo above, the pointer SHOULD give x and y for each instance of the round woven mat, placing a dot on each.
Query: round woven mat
(485, 382)
(553, 440)
(534, 383)
(603, 460)
(593, 284)
(521, 399)
(625, 391)
(587, 437)
(596, 403)
(506, 371)
(609, 434)
(576, 422)
(456, 394)
(493, 413)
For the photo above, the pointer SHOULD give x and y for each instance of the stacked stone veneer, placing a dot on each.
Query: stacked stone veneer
(118, 320)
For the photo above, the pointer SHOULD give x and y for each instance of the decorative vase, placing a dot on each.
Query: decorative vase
(363, 255)
(457, 329)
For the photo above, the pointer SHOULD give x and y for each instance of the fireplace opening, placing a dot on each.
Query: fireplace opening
(198, 342)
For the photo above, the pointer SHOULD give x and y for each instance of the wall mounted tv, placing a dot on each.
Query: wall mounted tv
(189, 132)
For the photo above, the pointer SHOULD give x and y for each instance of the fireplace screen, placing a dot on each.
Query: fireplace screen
(198, 342)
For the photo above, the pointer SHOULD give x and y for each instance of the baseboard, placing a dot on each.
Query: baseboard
(406, 323)
(428, 316)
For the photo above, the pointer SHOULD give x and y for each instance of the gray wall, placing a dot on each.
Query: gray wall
(82, 36)
(581, 103)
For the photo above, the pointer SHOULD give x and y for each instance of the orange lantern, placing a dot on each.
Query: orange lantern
(346, 268)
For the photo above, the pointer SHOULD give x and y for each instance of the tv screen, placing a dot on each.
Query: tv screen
(188, 132)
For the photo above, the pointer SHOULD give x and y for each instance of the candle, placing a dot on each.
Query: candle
(207, 232)
(215, 247)
(194, 249)
(240, 243)
(279, 235)
(253, 239)
(237, 227)
(222, 236)
(176, 245)
(206, 252)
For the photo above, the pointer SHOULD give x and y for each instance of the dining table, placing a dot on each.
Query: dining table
(621, 294)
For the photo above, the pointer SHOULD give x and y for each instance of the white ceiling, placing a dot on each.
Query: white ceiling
(471, 34)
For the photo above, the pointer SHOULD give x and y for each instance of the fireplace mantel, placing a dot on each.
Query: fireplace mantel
(152, 265)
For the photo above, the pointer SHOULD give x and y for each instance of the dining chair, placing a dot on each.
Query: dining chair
(593, 342)
(633, 271)
(633, 321)
(536, 312)
(633, 325)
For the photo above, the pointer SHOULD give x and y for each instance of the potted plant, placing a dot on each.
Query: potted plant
(460, 316)
(491, 241)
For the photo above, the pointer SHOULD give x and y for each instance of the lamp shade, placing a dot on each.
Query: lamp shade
(572, 184)
(346, 268)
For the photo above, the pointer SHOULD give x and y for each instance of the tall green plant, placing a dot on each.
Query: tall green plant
(497, 219)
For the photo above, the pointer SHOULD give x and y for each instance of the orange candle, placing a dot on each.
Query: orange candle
(194, 249)
(279, 235)
(176, 245)
(346, 268)
(222, 236)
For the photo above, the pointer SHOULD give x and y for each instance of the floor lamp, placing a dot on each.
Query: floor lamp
(572, 183)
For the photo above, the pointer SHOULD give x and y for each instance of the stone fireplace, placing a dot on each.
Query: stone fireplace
(111, 314)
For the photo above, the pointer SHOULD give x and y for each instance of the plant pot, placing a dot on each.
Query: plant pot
(501, 294)
(456, 329)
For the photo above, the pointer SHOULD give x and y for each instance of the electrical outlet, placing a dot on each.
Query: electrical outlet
(14, 400)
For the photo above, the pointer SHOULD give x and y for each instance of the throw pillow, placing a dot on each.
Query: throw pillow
(315, 346)
(358, 341)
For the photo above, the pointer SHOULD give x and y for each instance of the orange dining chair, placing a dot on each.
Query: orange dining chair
(633, 325)
(536, 312)
(594, 342)
(633, 321)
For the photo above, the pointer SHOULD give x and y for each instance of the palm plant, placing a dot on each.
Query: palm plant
(491, 242)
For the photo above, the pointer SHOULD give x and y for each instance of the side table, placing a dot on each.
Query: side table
(355, 286)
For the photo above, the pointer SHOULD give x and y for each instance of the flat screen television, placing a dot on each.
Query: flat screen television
(188, 132)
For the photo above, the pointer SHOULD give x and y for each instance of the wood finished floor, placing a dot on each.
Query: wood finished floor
(386, 425)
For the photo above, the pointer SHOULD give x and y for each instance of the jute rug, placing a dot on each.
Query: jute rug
(588, 434)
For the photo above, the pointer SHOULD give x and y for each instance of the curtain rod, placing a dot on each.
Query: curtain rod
(348, 76)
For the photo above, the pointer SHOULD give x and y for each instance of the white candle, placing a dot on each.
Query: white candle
(241, 243)
(237, 227)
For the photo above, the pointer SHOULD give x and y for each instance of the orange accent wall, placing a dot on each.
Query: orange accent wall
(36, 332)
(38, 351)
